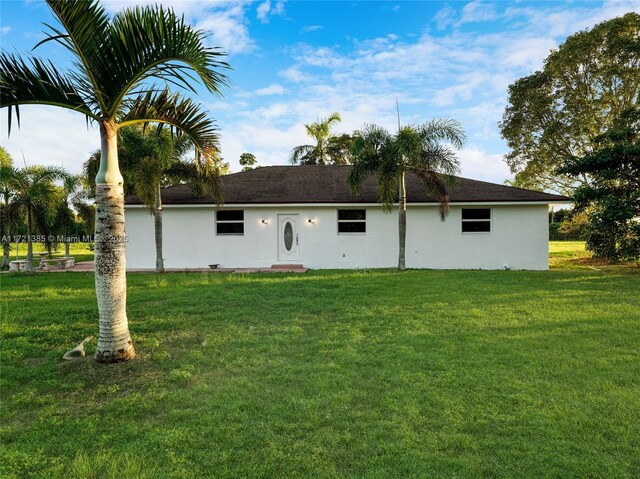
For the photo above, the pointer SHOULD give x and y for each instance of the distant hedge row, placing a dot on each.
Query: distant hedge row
(555, 235)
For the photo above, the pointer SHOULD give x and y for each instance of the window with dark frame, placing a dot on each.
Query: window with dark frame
(352, 221)
(476, 220)
(230, 222)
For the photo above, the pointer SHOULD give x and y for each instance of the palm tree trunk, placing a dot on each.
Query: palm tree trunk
(6, 252)
(114, 341)
(29, 268)
(157, 219)
(402, 223)
(6, 243)
(66, 242)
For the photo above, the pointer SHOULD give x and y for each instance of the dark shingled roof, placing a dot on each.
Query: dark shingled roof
(328, 184)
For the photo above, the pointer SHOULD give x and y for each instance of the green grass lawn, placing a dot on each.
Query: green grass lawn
(80, 251)
(360, 374)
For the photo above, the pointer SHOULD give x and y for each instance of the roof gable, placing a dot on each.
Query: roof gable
(328, 184)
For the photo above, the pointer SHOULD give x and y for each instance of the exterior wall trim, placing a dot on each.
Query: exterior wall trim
(350, 205)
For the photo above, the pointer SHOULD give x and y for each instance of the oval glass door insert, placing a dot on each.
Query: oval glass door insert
(288, 236)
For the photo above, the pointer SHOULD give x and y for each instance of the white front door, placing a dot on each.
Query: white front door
(287, 237)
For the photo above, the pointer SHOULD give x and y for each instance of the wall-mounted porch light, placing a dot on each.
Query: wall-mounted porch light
(311, 220)
(264, 221)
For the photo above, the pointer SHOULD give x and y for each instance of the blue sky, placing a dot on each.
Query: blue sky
(295, 62)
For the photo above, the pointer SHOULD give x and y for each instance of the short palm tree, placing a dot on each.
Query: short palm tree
(35, 192)
(122, 69)
(426, 150)
(328, 148)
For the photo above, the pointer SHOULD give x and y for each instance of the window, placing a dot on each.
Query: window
(352, 221)
(476, 220)
(230, 222)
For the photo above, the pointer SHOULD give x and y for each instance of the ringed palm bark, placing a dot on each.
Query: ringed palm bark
(122, 68)
(35, 192)
(426, 150)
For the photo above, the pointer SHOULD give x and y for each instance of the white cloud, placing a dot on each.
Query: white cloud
(50, 136)
(462, 92)
(224, 22)
(311, 28)
(228, 29)
(270, 90)
(293, 74)
(527, 53)
(319, 57)
(262, 13)
(445, 17)
(477, 164)
(270, 145)
(478, 11)
(189, 7)
(265, 10)
(4, 30)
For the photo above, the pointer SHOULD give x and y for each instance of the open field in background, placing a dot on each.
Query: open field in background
(567, 250)
(565, 255)
(358, 374)
(80, 251)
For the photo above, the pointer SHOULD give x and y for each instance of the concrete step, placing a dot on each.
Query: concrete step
(287, 266)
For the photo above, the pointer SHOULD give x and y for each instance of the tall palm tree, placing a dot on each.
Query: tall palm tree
(123, 67)
(426, 150)
(35, 191)
(328, 149)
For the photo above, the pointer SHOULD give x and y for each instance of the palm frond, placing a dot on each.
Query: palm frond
(71, 184)
(146, 177)
(38, 83)
(304, 155)
(408, 144)
(338, 149)
(444, 129)
(201, 183)
(439, 158)
(180, 114)
(86, 211)
(389, 172)
(84, 27)
(366, 150)
(153, 43)
(437, 185)
(34, 188)
(90, 170)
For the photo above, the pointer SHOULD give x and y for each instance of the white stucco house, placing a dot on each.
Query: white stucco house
(306, 215)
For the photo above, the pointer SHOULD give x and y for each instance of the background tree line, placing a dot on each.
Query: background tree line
(46, 202)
